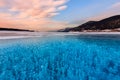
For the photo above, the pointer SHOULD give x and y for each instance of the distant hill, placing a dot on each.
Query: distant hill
(110, 23)
(12, 29)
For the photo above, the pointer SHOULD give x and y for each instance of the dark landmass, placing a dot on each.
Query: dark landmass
(111, 23)
(12, 29)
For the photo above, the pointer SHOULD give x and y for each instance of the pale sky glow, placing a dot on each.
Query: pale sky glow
(45, 15)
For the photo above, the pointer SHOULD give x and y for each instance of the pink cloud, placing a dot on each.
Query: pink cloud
(31, 24)
(31, 14)
(116, 5)
(40, 8)
(2, 3)
(111, 11)
(62, 7)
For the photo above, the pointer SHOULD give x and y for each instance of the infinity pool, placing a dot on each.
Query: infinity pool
(68, 57)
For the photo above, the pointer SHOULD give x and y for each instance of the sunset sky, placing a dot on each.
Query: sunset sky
(45, 15)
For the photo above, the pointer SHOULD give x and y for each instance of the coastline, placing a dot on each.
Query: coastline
(18, 35)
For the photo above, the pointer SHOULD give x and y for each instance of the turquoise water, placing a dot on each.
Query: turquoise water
(70, 57)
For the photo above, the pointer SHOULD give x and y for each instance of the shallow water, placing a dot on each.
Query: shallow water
(69, 57)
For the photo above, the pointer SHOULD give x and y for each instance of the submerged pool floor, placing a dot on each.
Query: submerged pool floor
(60, 58)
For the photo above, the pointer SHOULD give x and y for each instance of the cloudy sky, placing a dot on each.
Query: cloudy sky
(45, 15)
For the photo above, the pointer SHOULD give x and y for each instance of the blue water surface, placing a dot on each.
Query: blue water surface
(70, 57)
